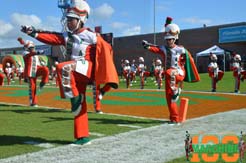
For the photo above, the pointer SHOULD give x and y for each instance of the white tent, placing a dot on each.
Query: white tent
(215, 50)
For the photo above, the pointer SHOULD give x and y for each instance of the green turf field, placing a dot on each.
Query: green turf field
(25, 129)
(225, 85)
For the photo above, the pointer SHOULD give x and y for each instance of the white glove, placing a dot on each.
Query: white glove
(144, 42)
(30, 30)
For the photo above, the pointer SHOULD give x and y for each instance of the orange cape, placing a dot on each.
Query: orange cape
(105, 71)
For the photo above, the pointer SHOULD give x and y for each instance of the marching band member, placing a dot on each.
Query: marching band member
(54, 73)
(20, 73)
(88, 58)
(1, 77)
(9, 72)
(122, 64)
(33, 70)
(158, 72)
(133, 72)
(127, 72)
(152, 70)
(214, 72)
(188, 146)
(143, 74)
(238, 72)
(174, 57)
(241, 147)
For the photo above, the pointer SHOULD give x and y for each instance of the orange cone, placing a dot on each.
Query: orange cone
(184, 102)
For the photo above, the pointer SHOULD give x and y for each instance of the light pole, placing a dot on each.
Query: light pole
(154, 25)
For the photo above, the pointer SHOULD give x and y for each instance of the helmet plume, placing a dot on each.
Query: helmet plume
(22, 42)
(168, 21)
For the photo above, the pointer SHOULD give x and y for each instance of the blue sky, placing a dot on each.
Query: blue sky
(122, 17)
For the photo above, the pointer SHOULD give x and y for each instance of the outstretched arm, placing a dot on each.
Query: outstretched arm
(50, 38)
(151, 47)
(47, 37)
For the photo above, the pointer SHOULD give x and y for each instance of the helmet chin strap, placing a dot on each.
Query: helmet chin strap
(75, 29)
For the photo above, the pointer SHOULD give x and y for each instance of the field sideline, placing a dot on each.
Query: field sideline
(216, 113)
(152, 144)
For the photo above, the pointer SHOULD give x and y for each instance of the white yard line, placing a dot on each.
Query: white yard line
(43, 145)
(96, 134)
(156, 144)
(130, 126)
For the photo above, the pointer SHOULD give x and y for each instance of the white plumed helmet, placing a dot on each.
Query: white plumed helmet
(126, 61)
(158, 61)
(237, 57)
(141, 59)
(79, 9)
(213, 57)
(172, 31)
(27, 44)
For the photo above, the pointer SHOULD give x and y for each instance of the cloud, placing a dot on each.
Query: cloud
(11, 30)
(105, 11)
(195, 20)
(126, 29)
(118, 25)
(132, 31)
(5, 28)
(22, 19)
